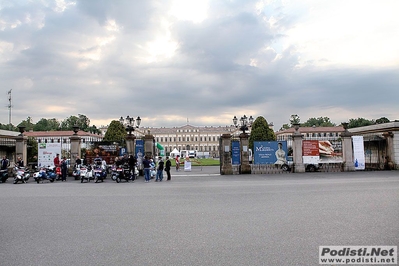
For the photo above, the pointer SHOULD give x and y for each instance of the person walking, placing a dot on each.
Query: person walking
(147, 167)
(64, 169)
(168, 164)
(160, 170)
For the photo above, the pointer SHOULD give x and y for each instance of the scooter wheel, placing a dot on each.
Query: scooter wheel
(118, 180)
(37, 181)
(81, 180)
(15, 182)
(51, 180)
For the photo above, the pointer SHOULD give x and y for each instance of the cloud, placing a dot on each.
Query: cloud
(165, 63)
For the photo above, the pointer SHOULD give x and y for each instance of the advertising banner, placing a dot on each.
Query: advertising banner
(139, 152)
(358, 152)
(235, 152)
(310, 151)
(322, 151)
(47, 152)
(270, 152)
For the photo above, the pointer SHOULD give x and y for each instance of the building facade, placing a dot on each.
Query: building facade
(204, 139)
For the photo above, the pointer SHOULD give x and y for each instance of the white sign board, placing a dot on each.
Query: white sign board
(358, 152)
(47, 152)
(187, 166)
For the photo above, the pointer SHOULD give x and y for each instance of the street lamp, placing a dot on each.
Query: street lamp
(245, 122)
(128, 122)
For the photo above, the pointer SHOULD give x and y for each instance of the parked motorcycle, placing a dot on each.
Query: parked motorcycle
(99, 173)
(86, 173)
(21, 174)
(45, 173)
(120, 173)
(4, 175)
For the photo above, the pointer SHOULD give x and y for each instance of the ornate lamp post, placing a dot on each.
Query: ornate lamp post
(245, 122)
(128, 122)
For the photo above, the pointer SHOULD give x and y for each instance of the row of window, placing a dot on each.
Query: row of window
(201, 148)
(63, 140)
(187, 138)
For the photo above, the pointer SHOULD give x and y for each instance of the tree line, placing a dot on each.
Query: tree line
(326, 122)
(53, 124)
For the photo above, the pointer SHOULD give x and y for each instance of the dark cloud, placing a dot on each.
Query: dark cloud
(78, 62)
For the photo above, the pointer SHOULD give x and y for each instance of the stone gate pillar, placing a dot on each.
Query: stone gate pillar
(347, 150)
(226, 168)
(75, 148)
(149, 147)
(21, 146)
(244, 146)
(297, 138)
(130, 144)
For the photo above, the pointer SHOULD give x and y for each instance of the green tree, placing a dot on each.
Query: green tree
(47, 125)
(295, 120)
(359, 122)
(81, 120)
(260, 131)
(318, 122)
(116, 132)
(382, 120)
(32, 150)
(28, 124)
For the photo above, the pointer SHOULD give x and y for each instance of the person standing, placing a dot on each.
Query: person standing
(177, 162)
(64, 169)
(168, 164)
(132, 166)
(57, 160)
(20, 162)
(78, 160)
(147, 167)
(5, 163)
(160, 170)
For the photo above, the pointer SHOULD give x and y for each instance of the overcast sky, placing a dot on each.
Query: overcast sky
(173, 61)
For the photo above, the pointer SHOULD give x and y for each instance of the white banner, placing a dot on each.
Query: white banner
(358, 152)
(47, 152)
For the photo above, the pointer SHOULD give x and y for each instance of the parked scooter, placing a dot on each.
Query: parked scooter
(45, 173)
(76, 172)
(21, 174)
(86, 173)
(3, 175)
(99, 173)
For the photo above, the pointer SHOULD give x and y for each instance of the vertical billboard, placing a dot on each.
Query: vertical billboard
(47, 152)
(235, 152)
(139, 153)
(270, 152)
(358, 153)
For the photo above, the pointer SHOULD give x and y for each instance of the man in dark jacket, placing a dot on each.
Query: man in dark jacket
(64, 168)
(168, 164)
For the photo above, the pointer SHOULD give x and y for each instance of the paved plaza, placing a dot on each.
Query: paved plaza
(198, 218)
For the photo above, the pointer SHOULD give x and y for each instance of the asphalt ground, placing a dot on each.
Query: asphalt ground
(198, 218)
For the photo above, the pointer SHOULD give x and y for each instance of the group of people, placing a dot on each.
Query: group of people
(63, 165)
(148, 164)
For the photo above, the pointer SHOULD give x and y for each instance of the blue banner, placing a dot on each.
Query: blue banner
(235, 152)
(139, 151)
(270, 152)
